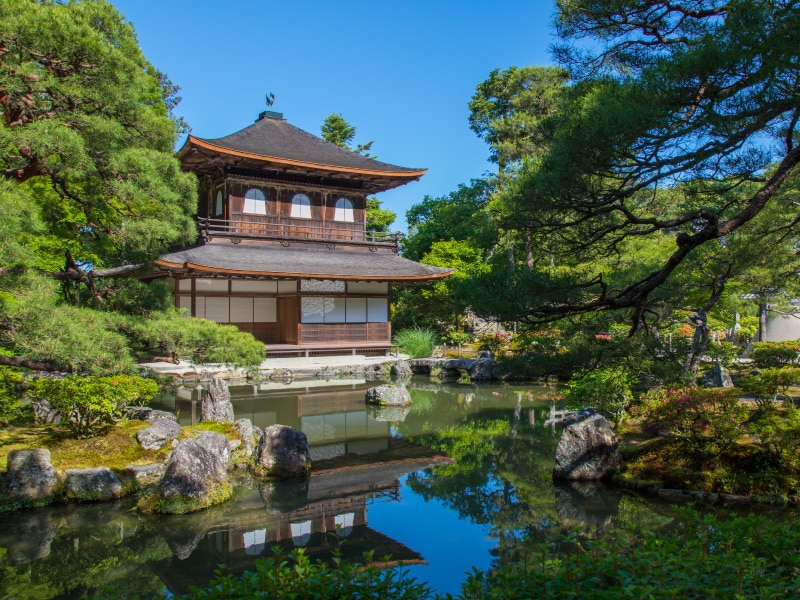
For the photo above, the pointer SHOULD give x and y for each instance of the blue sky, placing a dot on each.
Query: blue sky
(402, 73)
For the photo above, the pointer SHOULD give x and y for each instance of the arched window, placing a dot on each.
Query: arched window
(254, 202)
(218, 207)
(344, 210)
(301, 206)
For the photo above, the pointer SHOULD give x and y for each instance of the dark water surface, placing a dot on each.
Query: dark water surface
(371, 490)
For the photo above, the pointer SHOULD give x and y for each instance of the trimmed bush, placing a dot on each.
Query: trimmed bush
(88, 403)
(607, 390)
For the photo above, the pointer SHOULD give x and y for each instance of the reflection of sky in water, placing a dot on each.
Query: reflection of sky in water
(436, 532)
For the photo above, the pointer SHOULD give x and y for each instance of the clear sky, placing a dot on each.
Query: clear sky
(401, 72)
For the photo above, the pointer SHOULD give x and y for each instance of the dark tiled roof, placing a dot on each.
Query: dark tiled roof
(270, 260)
(277, 138)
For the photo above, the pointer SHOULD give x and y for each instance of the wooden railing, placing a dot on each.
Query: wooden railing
(262, 227)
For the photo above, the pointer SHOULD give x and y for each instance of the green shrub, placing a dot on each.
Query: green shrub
(417, 342)
(13, 409)
(457, 337)
(722, 352)
(296, 576)
(88, 403)
(779, 432)
(494, 341)
(704, 557)
(703, 421)
(607, 390)
(775, 354)
(769, 384)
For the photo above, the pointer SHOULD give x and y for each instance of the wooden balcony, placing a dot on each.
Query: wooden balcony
(258, 227)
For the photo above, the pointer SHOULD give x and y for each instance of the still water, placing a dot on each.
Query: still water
(460, 479)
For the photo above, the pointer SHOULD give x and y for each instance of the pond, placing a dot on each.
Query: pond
(380, 482)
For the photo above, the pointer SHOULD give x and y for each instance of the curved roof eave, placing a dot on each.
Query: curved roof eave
(303, 275)
(191, 140)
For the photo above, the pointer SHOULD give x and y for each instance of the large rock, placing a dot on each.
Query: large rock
(89, 485)
(30, 477)
(400, 370)
(479, 369)
(588, 449)
(192, 481)
(389, 395)
(282, 452)
(217, 405)
(718, 376)
(158, 435)
(244, 428)
(145, 413)
(217, 446)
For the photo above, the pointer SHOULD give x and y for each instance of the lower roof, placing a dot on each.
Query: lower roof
(273, 260)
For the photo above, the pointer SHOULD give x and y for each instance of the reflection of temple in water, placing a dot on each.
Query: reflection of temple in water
(357, 462)
(327, 514)
(335, 419)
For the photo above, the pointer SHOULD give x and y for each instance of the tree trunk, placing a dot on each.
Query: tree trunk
(699, 343)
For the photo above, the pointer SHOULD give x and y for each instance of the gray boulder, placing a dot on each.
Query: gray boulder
(588, 449)
(244, 428)
(158, 435)
(146, 472)
(282, 452)
(30, 477)
(400, 370)
(100, 484)
(217, 446)
(389, 395)
(145, 413)
(718, 376)
(217, 405)
(192, 481)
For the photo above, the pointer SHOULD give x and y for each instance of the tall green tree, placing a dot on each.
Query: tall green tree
(89, 186)
(507, 109)
(337, 130)
(664, 94)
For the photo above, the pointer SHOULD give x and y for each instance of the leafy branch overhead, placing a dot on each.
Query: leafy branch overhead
(680, 121)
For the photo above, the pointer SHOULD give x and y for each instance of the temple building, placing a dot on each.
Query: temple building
(284, 250)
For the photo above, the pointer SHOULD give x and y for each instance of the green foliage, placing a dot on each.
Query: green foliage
(200, 340)
(88, 403)
(379, 219)
(87, 138)
(722, 352)
(104, 343)
(417, 342)
(779, 432)
(13, 409)
(455, 338)
(296, 576)
(776, 354)
(41, 327)
(608, 390)
(767, 386)
(494, 341)
(337, 130)
(700, 556)
(507, 107)
(704, 422)
(705, 557)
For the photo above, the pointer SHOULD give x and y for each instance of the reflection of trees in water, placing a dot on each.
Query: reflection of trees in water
(82, 558)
